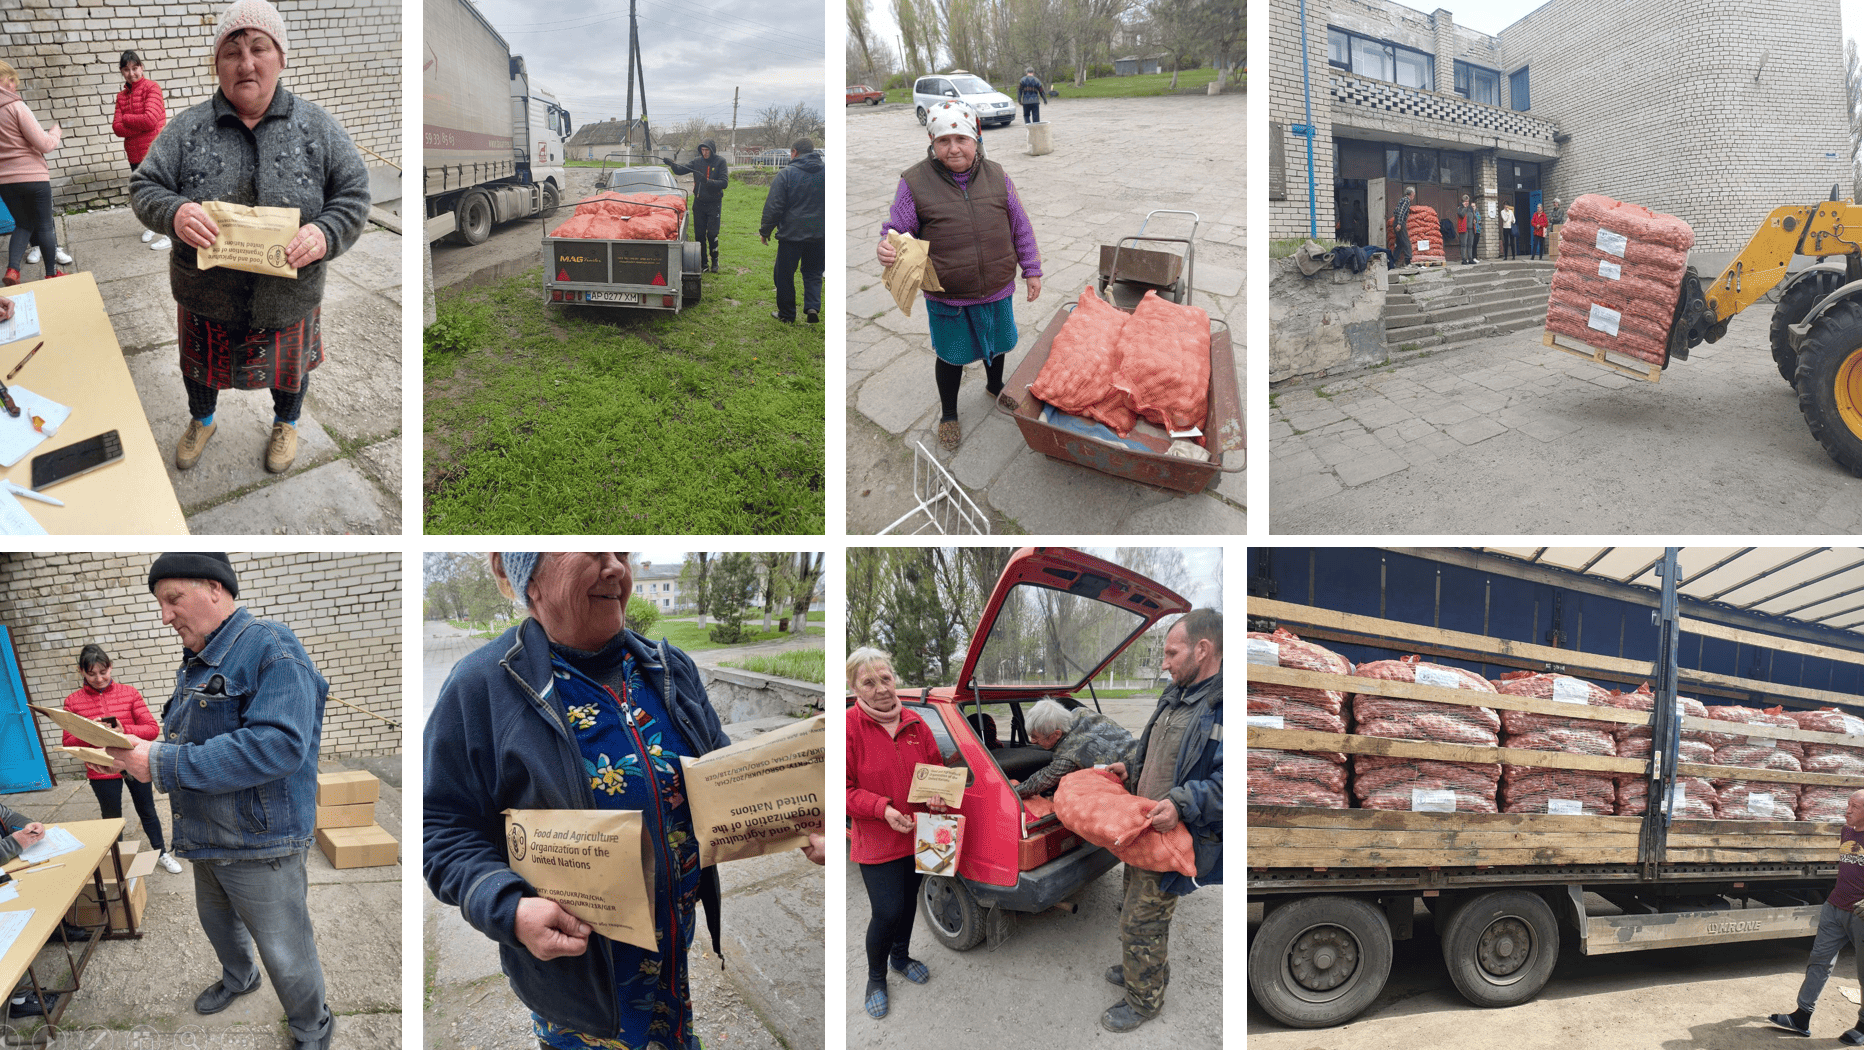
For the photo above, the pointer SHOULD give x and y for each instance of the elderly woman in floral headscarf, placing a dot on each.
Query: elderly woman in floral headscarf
(967, 208)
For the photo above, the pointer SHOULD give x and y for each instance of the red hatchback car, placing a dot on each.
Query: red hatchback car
(858, 93)
(1056, 618)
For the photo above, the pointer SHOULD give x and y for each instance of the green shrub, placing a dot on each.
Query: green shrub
(642, 615)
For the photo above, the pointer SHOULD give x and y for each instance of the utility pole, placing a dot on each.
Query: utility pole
(633, 49)
(734, 122)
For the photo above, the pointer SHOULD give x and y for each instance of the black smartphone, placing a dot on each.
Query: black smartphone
(73, 460)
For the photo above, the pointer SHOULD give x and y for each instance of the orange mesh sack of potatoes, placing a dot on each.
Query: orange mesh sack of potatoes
(1424, 227)
(1078, 376)
(1164, 367)
(1094, 804)
(625, 217)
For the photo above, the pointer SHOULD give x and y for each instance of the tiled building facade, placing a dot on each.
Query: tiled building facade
(344, 608)
(1671, 106)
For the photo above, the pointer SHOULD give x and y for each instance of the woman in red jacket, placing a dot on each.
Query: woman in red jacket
(1538, 225)
(120, 707)
(140, 117)
(885, 742)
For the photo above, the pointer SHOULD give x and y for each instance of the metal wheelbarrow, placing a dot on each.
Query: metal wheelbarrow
(1127, 273)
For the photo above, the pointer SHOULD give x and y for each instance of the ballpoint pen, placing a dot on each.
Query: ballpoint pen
(22, 361)
(20, 490)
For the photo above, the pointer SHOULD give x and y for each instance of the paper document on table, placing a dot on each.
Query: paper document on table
(12, 924)
(24, 324)
(9, 892)
(911, 272)
(14, 521)
(17, 437)
(56, 843)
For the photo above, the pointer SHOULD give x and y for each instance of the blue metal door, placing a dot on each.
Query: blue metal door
(22, 756)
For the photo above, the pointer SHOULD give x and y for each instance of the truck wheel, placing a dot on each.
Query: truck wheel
(550, 200)
(475, 219)
(952, 914)
(1794, 305)
(1827, 382)
(1320, 961)
(1500, 947)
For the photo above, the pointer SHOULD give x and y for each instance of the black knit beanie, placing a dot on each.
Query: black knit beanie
(205, 565)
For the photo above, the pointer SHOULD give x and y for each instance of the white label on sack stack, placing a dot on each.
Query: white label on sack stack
(1763, 741)
(1603, 319)
(1262, 651)
(1264, 721)
(1854, 726)
(1423, 246)
(1433, 800)
(1567, 806)
(1610, 271)
(1611, 243)
(1760, 804)
(1570, 690)
(1677, 796)
(1438, 676)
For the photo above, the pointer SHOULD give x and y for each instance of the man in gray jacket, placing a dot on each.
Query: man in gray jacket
(1080, 739)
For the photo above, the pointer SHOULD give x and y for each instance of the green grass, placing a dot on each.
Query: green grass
(692, 637)
(585, 420)
(1281, 249)
(801, 664)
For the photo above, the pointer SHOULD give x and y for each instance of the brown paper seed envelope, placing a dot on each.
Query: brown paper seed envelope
(84, 729)
(911, 272)
(91, 755)
(945, 782)
(251, 238)
(761, 795)
(596, 863)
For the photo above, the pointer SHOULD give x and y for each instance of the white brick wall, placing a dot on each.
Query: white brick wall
(345, 56)
(344, 608)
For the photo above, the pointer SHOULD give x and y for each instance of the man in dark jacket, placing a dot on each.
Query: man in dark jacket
(710, 174)
(1029, 92)
(1401, 225)
(1179, 761)
(795, 209)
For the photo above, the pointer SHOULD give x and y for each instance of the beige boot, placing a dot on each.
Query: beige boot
(193, 442)
(282, 451)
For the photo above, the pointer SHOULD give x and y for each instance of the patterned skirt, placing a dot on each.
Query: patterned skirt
(223, 356)
(963, 334)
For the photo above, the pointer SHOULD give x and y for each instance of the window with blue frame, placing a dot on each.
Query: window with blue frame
(1380, 60)
(1478, 84)
(1517, 90)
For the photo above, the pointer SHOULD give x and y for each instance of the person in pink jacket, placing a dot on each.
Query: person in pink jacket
(25, 182)
(106, 700)
(140, 117)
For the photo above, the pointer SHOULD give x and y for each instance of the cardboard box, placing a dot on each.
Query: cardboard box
(87, 912)
(346, 816)
(369, 847)
(351, 788)
(135, 866)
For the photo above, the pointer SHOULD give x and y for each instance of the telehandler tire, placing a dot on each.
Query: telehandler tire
(1830, 363)
(1793, 308)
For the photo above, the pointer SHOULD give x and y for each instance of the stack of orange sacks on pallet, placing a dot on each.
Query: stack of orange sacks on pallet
(1423, 227)
(1817, 802)
(1537, 789)
(1755, 799)
(624, 217)
(1292, 778)
(1415, 783)
(1697, 798)
(1616, 282)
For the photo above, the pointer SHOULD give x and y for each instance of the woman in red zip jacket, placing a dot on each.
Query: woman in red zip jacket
(120, 707)
(140, 116)
(885, 742)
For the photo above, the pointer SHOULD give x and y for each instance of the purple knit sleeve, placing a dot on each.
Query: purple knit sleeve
(1023, 233)
(904, 215)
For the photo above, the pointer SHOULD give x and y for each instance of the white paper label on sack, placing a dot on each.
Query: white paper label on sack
(1423, 246)
(1262, 651)
(1603, 319)
(1763, 741)
(1433, 800)
(1570, 690)
(1854, 726)
(1611, 271)
(1611, 243)
(1568, 806)
(1438, 676)
(1760, 804)
(1264, 721)
(1677, 796)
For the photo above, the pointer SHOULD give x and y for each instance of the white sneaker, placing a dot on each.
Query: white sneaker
(63, 256)
(147, 236)
(33, 254)
(161, 244)
(169, 863)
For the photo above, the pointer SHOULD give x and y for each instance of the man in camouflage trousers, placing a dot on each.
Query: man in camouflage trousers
(1080, 739)
(1179, 761)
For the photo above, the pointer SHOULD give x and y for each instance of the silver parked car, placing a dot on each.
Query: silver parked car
(992, 107)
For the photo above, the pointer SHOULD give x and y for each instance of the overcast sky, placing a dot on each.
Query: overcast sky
(696, 52)
(1205, 566)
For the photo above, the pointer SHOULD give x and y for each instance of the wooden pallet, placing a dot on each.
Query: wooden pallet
(1609, 358)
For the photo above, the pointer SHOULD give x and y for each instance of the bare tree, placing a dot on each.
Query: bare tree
(788, 123)
(806, 575)
(1854, 101)
(858, 31)
(1088, 26)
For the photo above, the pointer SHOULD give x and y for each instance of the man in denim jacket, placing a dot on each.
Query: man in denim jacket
(237, 756)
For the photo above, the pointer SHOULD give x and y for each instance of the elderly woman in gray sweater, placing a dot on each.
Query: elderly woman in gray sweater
(252, 143)
(1081, 739)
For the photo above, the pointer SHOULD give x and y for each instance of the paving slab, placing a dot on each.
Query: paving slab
(338, 496)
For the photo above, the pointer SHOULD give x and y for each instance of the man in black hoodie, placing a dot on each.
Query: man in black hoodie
(710, 174)
(795, 208)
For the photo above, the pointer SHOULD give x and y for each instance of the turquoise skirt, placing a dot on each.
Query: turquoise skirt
(963, 334)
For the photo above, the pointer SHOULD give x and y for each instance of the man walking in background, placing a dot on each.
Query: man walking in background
(1029, 92)
(1400, 224)
(795, 209)
(710, 174)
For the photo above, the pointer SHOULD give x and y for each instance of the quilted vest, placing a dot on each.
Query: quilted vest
(969, 229)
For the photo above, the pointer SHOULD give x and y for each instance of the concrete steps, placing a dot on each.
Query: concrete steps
(1434, 307)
